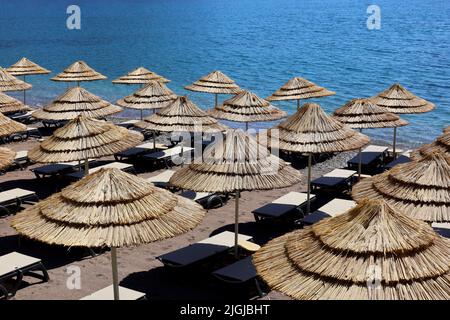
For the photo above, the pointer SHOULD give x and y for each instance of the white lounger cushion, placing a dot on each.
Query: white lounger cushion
(293, 198)
(115, 165)
(340, 173)
(108, 294)
(21, 154)
(130, 122)
(374, 148)
(149, 145)
(337, 206)
(225, 239)
(170, 152)
(15, 193)
(163, 177)
(12, 261)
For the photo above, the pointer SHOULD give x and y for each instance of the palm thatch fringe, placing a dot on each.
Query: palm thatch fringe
(7, 157)
(25, 67)
(397, 99)
(247, 107)
(108, 208)
(74, 102)
(140, 75)
(77, 72)
(10, 83)
(440, 145)
(9, 126)
(341, 257)
(83, 138)
(215, 82)
(299, 88)
(154, 95)
(10, 105)
(420, 188)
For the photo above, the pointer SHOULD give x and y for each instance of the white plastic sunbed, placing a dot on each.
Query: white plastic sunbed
(162, 179)
(166, 155)
(53, 169)
(108, 294)
(336, 179)
(16, 265)
(116, 165)
(331, 209)
(140, 150)
(371, 156)
(15, 197)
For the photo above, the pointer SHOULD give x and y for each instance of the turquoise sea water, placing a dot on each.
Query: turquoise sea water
(260, 44)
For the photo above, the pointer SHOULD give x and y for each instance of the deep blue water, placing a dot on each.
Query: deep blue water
(260, 44)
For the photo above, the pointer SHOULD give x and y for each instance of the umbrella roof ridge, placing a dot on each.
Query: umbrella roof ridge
(140, 75)
(77, 72)
(440, 145)
(299, 88)
(154, 95)
(25, 67)
(215, 82)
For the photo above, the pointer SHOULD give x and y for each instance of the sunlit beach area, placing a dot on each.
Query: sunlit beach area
(232, 151)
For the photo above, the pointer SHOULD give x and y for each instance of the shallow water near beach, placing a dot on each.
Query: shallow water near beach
(260, 44)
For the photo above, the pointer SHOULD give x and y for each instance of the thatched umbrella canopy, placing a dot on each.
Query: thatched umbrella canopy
(77, 72)
(441, 144)
(140, 75)
(74, 102)
(11, 105)
(25, 67)
(418, 188)
(372, 252)
(364, 114)
(247, 107)
(108, 208)
(7, 157)
(84, 138)
(9, 126)
(155, 95)
(10, 83)
(216, 82)
(397, 99)
(237, 164)
(298, 89)
(310, 130)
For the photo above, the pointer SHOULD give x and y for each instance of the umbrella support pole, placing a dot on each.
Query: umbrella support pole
(115, 273)
(246, 126)
(141, 114)
(359, 164)
(24, 92)
(86, 167)
(236, 224)
(298, 104)
(215, 99)
(394, 143)
(154, 141)
(308, 202)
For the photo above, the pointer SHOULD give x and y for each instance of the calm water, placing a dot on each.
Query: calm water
(260, 44)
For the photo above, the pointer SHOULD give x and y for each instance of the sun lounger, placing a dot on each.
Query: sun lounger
(21, 159)
(116, 165)
(442, 228)
(128, 124)
(23, 117)
(139, 150)
(332, 209)
(161, 180)
(16, 265)
(201, 251)
(108, 294)
(61, 168)
(206, 199)
(400, 159)
(15, 197)
(371, 157)
(240, 272)
(166, 155)
(338, 179)
(293, 202)
(53, 123)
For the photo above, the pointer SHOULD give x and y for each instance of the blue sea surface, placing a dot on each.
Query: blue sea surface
(260, 44)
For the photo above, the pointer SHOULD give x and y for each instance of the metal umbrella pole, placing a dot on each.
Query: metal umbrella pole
(115, 273)
(308, 202)
(236, 224)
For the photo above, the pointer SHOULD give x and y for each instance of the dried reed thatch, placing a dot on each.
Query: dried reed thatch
(247, 107)
(74, 102)
(83, 138)
(9, 126)
(181, 115)
(77, 72)
(154, 95)
(440, 145)
(364, 114)
(7, 157)
(397, 99)
(299, 88)
(311, 130)
(11, 105)
(215, 82)
(418, 188)
(339, 257)
(25, 67)
(140, 75)
(237, 163)
(10, 83)
(108, 208)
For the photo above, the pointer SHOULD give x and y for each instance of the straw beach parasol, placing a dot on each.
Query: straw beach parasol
(11, 105)
(155, 95)
(83, 138)
(77, 72)
(364, 114)
(237, 164)
(299, 88)
(7, 157)
(372, 252)
(74, 102)
(247, 107)
(9, 126)
(397, 99)
(108, 208)
(25, 67)
(140, 75)
(418, 188)
(10, 83)
(216, 82)
(441, 144)
(310, 130)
